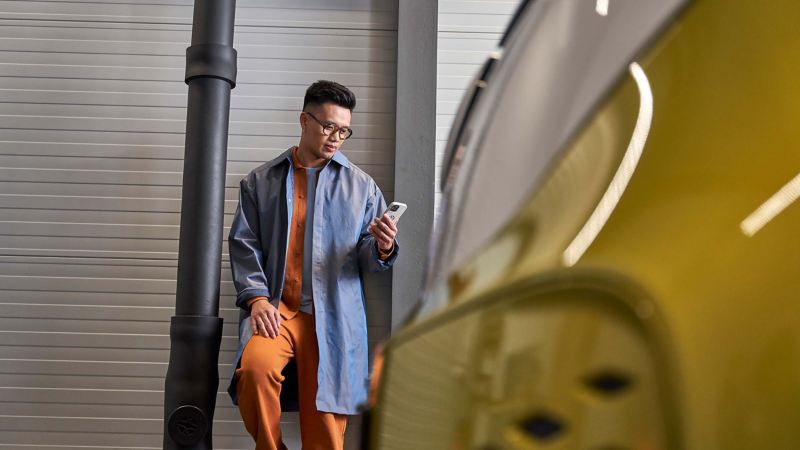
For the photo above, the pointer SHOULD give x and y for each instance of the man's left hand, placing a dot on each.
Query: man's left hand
(384, 230)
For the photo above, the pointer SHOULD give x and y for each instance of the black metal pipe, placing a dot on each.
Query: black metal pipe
(192, 380)
(203, 198)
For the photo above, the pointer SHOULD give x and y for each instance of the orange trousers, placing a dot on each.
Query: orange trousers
(259, 386)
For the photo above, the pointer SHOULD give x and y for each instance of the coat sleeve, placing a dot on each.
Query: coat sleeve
(367, 246)
(244, 246)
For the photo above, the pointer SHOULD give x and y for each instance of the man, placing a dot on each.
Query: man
(307, 222)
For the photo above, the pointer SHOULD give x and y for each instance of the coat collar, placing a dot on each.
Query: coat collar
(286, 156)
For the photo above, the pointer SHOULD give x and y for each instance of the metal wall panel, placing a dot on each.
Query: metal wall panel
(468, 31)
(92, 122)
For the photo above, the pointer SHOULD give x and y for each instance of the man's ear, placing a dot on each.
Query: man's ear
(303, 120)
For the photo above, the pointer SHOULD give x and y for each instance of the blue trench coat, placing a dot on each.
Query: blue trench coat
(347, 200)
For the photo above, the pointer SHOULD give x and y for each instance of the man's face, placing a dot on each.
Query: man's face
(312, 137)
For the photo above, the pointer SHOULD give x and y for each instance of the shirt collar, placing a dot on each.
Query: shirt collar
(293, 158)
(286, 156)
(296, 163)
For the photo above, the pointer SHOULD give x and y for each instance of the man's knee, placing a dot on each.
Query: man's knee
(261, 371)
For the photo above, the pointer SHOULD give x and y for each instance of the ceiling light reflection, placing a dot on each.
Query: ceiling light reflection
(602, 7)
(609, 201)
(771, 208)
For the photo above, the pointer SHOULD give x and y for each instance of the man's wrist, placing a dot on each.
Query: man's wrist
(385, 254)
(253, 300)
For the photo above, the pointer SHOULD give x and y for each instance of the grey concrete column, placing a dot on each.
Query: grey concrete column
(415, 155)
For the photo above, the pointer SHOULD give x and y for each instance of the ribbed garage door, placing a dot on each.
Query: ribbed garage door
(468, 31)
(92, 111)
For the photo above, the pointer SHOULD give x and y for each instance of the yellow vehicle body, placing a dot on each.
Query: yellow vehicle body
(646, 301)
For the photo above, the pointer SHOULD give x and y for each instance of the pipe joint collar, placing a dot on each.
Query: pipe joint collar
(211, 61)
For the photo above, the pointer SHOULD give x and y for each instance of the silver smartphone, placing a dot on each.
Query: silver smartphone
(395, 210)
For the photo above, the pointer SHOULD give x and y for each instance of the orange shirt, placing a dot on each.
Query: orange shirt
(293, 282)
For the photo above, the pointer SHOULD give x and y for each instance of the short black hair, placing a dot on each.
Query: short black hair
(324, 91)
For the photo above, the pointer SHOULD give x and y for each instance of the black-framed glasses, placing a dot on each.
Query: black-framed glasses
(328, 128)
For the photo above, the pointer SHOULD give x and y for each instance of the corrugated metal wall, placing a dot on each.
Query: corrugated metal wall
(468, 31)
(92, 111)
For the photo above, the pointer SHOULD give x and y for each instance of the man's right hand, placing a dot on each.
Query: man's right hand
(265, 318)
